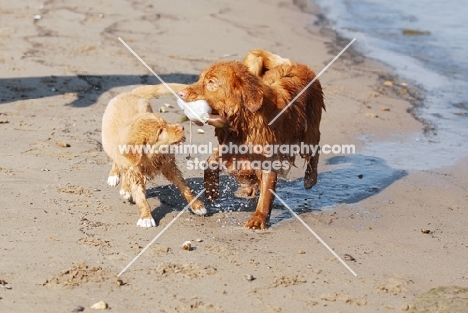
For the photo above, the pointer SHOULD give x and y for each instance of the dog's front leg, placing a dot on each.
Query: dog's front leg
(174, 175)
(262, 213)
(139, 196)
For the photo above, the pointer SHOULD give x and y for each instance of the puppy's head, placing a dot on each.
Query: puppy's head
(227, 87)
(148, 133)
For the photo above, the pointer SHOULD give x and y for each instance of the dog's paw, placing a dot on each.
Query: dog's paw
(146, 222)
(113, 180)
(198, 207)
(126, 195)
(256, 222)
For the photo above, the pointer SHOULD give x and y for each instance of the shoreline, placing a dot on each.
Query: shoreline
(65, 234)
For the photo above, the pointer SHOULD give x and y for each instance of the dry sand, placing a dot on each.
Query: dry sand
(65, 235)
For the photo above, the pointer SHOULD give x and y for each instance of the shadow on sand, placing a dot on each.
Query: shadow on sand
(351, 179)
(88, 88)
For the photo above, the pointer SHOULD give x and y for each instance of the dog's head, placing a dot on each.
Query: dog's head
(228, 87)
(148, 134)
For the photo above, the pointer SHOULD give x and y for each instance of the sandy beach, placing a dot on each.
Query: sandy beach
(65, 234)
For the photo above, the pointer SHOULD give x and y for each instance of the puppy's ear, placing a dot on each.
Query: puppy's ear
(140, 139)
(252, 93)
(134, 152)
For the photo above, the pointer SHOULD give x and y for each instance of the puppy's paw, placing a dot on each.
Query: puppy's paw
(126, 195)
(198, 207)
(146, 222)
(257, 221)
(113, 180)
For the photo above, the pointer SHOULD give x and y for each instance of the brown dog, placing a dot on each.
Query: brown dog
(129, 126)
(246, 97)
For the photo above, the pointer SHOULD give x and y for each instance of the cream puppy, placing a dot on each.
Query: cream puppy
(128, 127)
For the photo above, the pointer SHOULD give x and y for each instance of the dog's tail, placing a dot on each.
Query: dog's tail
(153, 91)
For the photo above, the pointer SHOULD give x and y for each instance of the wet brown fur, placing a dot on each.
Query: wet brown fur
(249, 95)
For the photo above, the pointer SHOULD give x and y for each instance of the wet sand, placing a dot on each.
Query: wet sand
(65, 234)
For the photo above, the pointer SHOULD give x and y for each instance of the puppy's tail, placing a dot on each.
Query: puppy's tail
(153, 91)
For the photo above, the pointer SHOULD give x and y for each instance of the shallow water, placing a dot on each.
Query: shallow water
(436, 61)
(348, 179)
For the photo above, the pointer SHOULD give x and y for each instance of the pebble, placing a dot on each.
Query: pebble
(200, 131)
(119, 282)
(78, 309)
(101, 305)
(301, 252)
(388, 83)
(37, 17)
(425, 231)
(371, 115)
(162, 110)
(198, 240)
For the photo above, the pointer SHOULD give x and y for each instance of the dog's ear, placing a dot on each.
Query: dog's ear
(252, 92)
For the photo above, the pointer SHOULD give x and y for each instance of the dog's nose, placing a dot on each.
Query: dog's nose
(182, 94)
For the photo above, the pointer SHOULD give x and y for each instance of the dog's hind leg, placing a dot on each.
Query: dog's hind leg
(114, 175)
(125, 189)
(248, 186)
(139, 195)
(310, 178)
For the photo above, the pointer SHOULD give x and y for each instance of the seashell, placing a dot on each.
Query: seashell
(249, 277)
(187, 246)
(101, 305)
(63, 144)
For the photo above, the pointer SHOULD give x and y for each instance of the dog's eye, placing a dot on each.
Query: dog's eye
(212, 84)
(160, 132)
